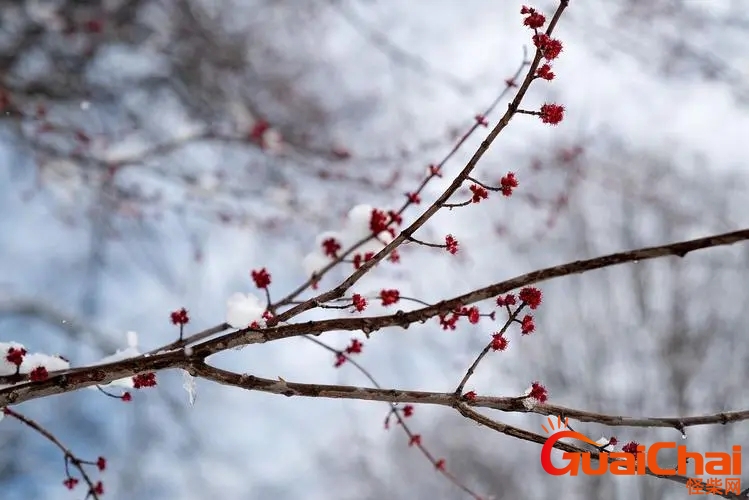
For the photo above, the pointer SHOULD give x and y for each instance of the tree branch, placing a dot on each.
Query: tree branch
(404, 319)
(512, 108)
(70, 380)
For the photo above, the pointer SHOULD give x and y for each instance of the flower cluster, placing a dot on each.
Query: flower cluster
(366, 231)
(17, 361)
(366, 227)
(355, 347)
(549, 48)
(180, 317)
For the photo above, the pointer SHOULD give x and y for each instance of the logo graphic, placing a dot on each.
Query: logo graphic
(639, 462)
(572, 467)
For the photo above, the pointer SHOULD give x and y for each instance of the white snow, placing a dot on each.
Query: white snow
(241, 310)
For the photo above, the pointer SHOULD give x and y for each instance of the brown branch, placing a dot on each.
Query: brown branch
(69, 380)
(69, 456)
(399, 418)
(195, 337)
(405, 319)
(289, 299)
(485, 351)
(80, 378)
(505, 404)
(341, 289)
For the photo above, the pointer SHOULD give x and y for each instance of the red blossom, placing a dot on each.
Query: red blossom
(473, 314)
(389, 297)
(527, 326)
(479, 193)
(378, 221)
(415, 440)
(355, 347)
(507, 300)
(70, 483)
(531, 296)
(613, 441)
(534, 19)
(440, 464)
(508, 183)
(413, 198)
(396, 218)
(98, 488)
(539, 392)
(541, 40)
(470, 396)
(258, 130)
(144, 380)
(101, 463)
(435, 170)
(499, 342)
(15, 355)
(359, 302)
(180, 317)
(481, 120)
(408, 410)
(451, 244)
(339, 360)
(448, 323)
(261, 278)
(38, 374)
(126, 397)
(545, 72)
(330, 247)
(394, 257)
(552, 113)
(552, 49)
(631, 447)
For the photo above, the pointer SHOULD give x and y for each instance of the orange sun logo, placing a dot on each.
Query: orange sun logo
(561, 425)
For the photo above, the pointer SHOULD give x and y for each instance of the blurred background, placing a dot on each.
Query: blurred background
(153, 152)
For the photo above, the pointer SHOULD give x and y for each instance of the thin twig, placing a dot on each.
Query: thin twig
(69, 456)
(485, 350)
(293, 295)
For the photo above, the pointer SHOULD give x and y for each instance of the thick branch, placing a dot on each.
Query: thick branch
(506, 404)
(512, 108)
(74, 379)
(404, 319)
(87, 376)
